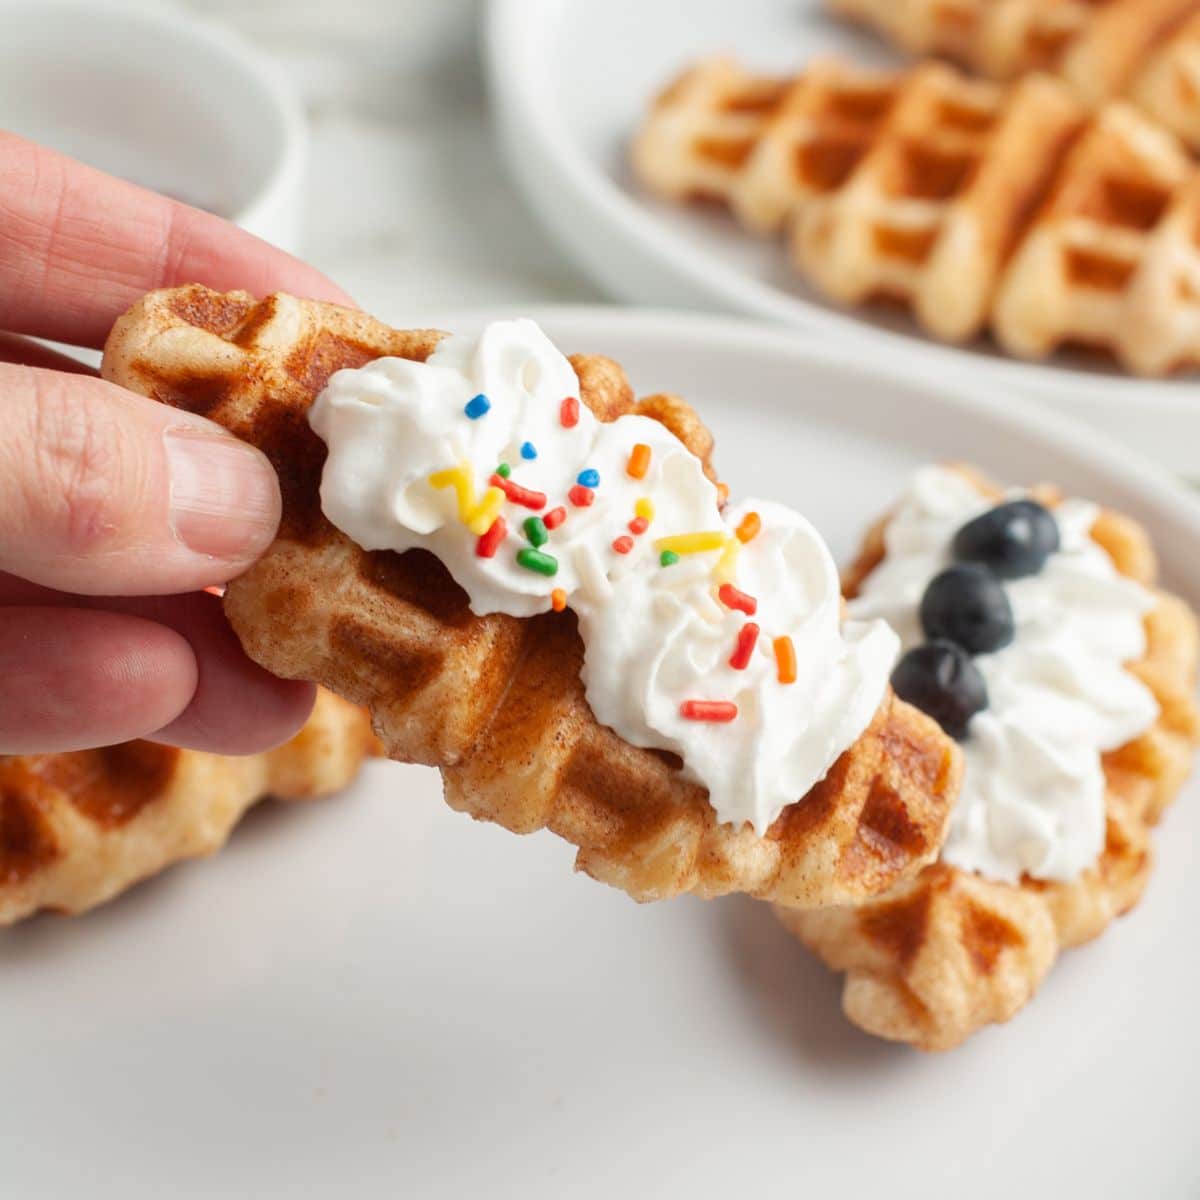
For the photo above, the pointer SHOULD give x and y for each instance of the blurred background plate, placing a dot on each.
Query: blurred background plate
(570, 80)
(173, 102)
(371, 996)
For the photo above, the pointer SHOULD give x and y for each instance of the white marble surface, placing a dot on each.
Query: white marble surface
(409, 207)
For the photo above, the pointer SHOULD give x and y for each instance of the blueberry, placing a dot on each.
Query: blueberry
(940, 679)
(968, 605)
(1014, 539)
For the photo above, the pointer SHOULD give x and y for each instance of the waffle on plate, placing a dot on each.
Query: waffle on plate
(1147, 51)
(496, 702)
(950, 951)
(977, 205)
(76, 829)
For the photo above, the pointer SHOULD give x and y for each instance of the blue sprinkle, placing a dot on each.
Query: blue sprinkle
(477, 406)
(589, 478)
(528, 450)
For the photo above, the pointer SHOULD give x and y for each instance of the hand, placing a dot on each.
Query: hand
(116, 511)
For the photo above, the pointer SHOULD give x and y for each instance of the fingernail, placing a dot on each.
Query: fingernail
(224, 496)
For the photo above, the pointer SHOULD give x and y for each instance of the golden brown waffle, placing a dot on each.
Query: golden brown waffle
(1145, 50)
(950, 952)
(1113, 257)
(76, 829)
(495, 702)
(968, 201)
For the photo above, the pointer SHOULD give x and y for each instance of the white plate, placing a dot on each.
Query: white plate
(371, 996)
(570, 80)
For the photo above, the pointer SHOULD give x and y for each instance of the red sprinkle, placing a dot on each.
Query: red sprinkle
(555, 517)
(639, 525)
(581, 496)
(747, 640)
(489, 542)
(518, 494)
(623, 544)
(738, 601)
(568, 412)
(708, 710)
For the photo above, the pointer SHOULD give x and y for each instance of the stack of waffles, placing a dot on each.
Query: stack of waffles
(976, 204)
(497, 703)
(950, 952)
(78, 828)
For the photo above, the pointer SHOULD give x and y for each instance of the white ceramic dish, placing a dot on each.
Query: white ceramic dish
(371, 996)
(570, 80)
(168, 100)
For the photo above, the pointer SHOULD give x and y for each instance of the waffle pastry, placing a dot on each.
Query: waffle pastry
(495, 702)
(1145, 50)
(974, 203)
(76, 829)
(949, 952)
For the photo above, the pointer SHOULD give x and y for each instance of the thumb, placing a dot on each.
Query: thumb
(106, 493)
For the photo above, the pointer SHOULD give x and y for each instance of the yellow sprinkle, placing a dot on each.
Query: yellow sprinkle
(747, 531)
(726, 568)
(485, 512)
(692, 543)
(459, 478)
(644, 508)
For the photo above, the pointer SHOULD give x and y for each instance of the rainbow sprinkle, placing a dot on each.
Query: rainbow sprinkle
(639, 525)
(528, 450)
(726, 567)
(555, 517)
(623, 544)
(748, 529)
(639, 461)
(692, 543)
(721, 711)
(568, 412)
(526, 497)
(746, 641)
(668, 558)
(538, 561)
(477, 406)
(459, 478)
(558, 599)
(504, 470)
(581, 496)
(489, 543)
(485, 512)
(738, 601)
(589, 478)
(535, 531)
(785, 659)
(644, 508)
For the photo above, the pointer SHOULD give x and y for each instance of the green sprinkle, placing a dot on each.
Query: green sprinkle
(667, 557)
(504, 470)
(536, 560)
(535, 531)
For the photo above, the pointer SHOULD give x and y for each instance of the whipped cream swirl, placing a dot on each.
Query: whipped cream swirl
(1033, 797)
(658, 639)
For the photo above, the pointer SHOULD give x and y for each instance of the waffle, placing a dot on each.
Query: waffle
(950, 952)
(497, 703)
(973, 203)
(76, 829)
(1145, 50)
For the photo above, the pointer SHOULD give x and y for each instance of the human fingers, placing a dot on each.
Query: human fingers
(78, 247)
(75, 678)
(107, 493)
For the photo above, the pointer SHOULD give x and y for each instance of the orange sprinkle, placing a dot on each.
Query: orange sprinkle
(747, 531)
(785, 659)
(639, 461)
(722, 494)
(558, 599)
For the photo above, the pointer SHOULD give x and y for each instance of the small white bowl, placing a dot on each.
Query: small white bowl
(174, 103)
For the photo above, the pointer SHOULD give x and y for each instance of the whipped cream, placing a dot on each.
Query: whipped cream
(414, 448)
(1033, 796)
